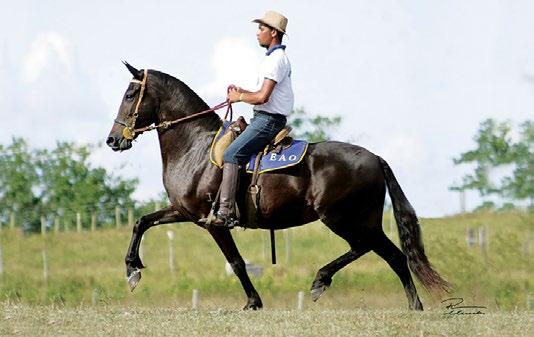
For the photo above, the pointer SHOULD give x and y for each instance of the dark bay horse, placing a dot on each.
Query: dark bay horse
(341, 184)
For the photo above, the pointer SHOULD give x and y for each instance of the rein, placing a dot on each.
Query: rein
(129, 131)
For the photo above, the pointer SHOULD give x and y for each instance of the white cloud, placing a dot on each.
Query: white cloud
(234, 62)
(405, 151)
(45, 48)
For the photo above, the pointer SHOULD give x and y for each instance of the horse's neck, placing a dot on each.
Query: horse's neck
(187, 144)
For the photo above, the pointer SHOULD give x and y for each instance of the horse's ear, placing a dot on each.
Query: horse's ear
(137, 74)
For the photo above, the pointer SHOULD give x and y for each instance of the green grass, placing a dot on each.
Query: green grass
(87, 263)
(173, 320)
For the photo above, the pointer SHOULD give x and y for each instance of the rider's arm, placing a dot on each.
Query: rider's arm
(258, 97)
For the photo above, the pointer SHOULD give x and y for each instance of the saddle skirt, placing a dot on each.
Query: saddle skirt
(287, 156)
(286, 153)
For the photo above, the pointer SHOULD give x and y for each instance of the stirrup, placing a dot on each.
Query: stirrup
(218, 221)
(225, 220)
(207, 221)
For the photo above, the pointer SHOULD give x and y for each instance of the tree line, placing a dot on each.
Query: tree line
(59, 183)
(501, 147)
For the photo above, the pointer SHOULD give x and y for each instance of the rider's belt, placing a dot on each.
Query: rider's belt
(268, 114)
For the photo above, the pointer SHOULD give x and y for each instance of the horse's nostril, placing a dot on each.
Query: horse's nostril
(110, 141)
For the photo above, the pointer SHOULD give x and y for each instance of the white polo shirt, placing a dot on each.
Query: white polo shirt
(276, 67)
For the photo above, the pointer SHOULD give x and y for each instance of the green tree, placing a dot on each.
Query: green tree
(496, 148)
(58, 182)
(18, 175)
(493, 149)
(521, 184)
(314, 129)
(69, 184)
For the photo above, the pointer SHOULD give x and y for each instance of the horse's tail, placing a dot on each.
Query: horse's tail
(410, 235)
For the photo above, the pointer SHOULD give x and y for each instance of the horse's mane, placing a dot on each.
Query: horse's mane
(182, 96)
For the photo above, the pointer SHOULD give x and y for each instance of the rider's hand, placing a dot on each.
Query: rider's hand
(233, 95)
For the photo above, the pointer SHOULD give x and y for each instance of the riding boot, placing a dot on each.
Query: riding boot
(226, 216)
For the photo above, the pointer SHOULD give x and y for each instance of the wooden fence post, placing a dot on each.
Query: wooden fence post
(78, 222)
(43, 225)
(170, 234)
(94, 297)
(93, 222)
(56, 224)
(130, 217)
(12, 220)
(45, 265)
(117, 217)
(195, 299)
(470, 237)
(300, 300)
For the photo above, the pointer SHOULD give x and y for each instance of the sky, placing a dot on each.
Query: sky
(411, 80)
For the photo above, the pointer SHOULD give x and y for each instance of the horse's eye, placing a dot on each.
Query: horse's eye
(129, 97)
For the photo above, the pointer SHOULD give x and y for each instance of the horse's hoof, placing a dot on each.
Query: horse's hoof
(418, 306)
(133, 279)
(253, 306)
(317, 291)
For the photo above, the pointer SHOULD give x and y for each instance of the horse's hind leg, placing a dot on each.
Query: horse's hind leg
(399, 263)
(323, 279)
(226, 243)
(132, 260)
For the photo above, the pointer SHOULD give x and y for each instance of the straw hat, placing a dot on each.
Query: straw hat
(275, 20)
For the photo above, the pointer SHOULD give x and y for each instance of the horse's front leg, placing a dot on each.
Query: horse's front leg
(227, 245)
(133, 261)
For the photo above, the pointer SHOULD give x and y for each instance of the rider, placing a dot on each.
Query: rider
(272, 103)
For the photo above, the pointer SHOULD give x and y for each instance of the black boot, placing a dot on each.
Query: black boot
(226, 216)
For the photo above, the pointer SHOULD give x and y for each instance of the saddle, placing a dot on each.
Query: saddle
(282, 152)
(228, 134)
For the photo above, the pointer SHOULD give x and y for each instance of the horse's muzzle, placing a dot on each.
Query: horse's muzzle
(119, 144)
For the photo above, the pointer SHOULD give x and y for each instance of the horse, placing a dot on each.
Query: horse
(341, 184)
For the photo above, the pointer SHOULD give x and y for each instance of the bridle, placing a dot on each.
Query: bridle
(129, 131)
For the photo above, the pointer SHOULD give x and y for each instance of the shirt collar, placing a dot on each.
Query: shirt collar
(273, 48)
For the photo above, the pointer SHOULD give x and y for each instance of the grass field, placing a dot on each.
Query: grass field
(31, 320)
(88, 266)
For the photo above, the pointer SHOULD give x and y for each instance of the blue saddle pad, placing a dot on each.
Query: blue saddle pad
(222, 130)
(289, 156)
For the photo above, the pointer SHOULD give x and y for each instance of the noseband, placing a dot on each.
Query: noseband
(129, 131)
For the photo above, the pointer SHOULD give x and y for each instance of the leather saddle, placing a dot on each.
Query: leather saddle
(280, 141)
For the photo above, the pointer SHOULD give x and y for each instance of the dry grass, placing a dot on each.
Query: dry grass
(28, 320)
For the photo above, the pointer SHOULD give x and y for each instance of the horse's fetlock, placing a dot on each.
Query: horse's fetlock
(238, 266)
(322, 275)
